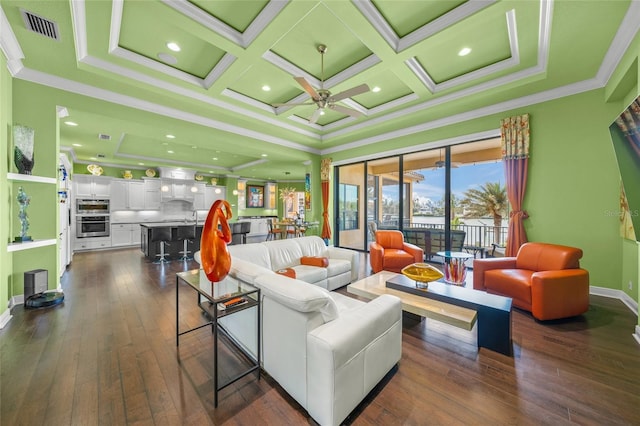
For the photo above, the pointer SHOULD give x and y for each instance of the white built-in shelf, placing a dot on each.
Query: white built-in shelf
(31, 244)
(31, 178)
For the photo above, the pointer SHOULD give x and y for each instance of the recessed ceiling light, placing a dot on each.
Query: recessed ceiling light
(140, 164)
(376, 89)
(173, 46)
(194, 147)
(321, 112)
(76, 144)
(169, 152)
(265, 155)
(170, 136)
(210, 171)
(215, 158)
(266, 88)
(70, 123)
(167, 59)
(464, 51)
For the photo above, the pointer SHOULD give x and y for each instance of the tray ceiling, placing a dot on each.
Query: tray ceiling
(212, 94)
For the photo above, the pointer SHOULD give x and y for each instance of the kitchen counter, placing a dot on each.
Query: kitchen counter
(172, 224)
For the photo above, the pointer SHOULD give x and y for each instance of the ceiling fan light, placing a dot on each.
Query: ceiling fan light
(376, 89)
(464, 51)
(173, 46)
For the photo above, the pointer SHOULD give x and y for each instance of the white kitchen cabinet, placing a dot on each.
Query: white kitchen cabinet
(127, 195)
(152, 197)
(125, 234)
(177, 190)
(212, 194)
(94, 187)
(91, 243)
(199, 197)
(136, 195)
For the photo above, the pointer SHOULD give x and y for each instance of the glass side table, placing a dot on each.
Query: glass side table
(210, 297)
(453, 266)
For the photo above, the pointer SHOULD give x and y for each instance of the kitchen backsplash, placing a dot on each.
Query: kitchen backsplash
(170, 211)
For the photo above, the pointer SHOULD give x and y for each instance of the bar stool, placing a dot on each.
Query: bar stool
(161, 235)
(186, 234)
(245, 228)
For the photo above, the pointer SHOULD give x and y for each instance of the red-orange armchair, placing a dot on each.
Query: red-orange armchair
(544, 279)
(390, 253)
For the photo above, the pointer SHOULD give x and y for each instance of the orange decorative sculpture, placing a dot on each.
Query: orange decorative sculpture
(216, 234)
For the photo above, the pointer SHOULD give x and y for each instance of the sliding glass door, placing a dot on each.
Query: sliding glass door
(444, 198)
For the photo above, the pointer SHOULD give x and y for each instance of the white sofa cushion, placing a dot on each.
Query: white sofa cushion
(283, 253)
(247, 271)
(254, 253)
(298, 295)
(310, 274)
(338, 266)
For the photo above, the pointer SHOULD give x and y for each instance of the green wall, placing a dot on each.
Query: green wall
(6, 266)
(30, 110)
(572, 181)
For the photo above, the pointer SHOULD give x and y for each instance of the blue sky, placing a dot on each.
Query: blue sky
(463, 178)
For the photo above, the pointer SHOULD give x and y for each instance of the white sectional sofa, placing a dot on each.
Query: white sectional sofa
(325, 349)
(286, 253)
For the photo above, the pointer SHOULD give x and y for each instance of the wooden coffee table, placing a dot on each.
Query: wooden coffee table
(375, 285)
(452, 305)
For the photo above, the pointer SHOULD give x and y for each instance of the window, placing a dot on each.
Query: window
(348, 207)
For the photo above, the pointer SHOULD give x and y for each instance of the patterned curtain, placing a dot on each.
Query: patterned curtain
(629, 123)
(514, 132)
(325, 167)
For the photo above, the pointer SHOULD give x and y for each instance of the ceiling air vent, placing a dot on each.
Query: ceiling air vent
(104, 137)
(40, 25)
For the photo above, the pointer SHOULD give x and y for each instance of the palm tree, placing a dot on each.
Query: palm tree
(488, 200)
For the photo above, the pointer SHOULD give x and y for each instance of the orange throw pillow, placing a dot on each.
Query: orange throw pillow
(321, 262)
(287, 272)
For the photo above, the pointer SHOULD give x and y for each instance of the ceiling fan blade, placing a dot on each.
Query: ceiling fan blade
(363, 88)
(315, 116)
(292, 104)
(345, 110)
(307, 87)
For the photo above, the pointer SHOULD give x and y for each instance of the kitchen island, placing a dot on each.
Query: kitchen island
(173, 247)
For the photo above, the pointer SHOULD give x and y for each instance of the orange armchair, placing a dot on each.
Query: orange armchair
(390, 253)
(544, 279)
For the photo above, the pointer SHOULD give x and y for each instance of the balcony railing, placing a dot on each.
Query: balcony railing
(480, 236)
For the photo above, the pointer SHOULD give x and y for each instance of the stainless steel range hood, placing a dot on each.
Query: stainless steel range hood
(177, 173)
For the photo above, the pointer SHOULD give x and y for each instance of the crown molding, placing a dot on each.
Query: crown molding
(489, 134)
(177, 163)
(242, 39)
(514, 60)
(545, 96)
(398, 44)
(116, 50)
(629, 27)
(10, 46)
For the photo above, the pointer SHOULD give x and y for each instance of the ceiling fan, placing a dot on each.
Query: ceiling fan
(441, 163)
(323, 97)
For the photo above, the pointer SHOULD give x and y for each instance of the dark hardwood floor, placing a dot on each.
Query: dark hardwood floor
(107, 356)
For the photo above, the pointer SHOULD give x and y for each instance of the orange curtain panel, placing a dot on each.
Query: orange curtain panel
(514, 133)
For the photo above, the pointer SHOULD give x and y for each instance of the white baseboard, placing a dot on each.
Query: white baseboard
(616, 294)
(16, 300)
(5, 317)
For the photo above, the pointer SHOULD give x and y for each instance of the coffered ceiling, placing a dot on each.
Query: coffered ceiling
(212, 94)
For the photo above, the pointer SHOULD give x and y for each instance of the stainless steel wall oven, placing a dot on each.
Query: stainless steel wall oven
(92, 226)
